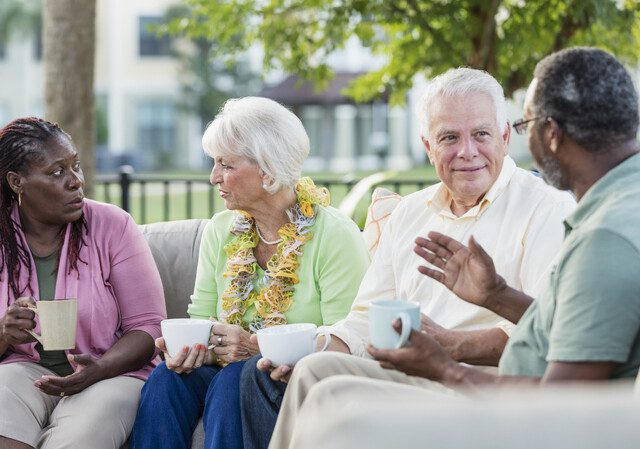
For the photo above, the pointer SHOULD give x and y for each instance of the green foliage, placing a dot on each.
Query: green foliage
(504, 37)
(207, 79)
(19, 17)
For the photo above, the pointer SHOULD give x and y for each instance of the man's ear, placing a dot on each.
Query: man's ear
(553, 135)
(15, 181)
(506, 136)
(427, 147)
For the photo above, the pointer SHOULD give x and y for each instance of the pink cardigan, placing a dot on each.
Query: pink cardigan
(118, 289)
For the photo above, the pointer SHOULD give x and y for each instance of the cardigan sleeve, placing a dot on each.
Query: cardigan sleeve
(204, 300)
(342, 262)
(136, 282)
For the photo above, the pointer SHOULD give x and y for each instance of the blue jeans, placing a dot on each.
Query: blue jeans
(260, 401)
(171, 403)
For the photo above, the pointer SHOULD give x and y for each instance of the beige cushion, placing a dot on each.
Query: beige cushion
(175, 246)
(383, 202)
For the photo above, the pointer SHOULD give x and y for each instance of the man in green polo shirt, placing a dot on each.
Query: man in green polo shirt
(581, 115)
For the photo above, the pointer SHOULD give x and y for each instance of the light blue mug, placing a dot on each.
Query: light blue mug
(382, 313)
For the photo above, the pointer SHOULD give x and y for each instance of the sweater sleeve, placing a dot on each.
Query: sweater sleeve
(204, 300)
(342, 262)
(136, 282)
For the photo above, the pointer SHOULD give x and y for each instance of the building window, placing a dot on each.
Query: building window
(37, 43)
(156, 121)
(152, 44)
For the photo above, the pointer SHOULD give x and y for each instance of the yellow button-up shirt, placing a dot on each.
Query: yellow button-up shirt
(518, 222)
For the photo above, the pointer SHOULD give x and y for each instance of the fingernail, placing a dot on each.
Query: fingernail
(286, 369)
(185, 349)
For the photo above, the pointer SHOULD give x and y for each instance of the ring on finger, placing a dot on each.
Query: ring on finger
(220, 340)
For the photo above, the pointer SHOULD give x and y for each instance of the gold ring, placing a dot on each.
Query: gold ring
(220, 341)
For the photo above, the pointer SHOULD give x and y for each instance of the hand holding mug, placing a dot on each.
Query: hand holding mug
(423, 357)
(184, 343)
(282, 346)
(18, 319)
(186, 359)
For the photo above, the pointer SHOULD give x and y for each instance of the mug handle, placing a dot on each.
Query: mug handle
(405, 319)
(29, 331)
(327, 338)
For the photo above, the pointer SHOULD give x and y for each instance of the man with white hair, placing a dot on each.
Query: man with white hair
(514, 214)
(581, 114)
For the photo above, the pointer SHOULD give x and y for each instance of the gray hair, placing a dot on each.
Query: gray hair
(264, 132)
(460, 82)
(591, 96)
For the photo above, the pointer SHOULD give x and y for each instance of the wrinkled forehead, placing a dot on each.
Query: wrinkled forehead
(45, 153)
(470, 109)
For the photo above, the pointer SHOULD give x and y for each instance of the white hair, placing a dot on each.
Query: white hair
(460, 82)
(263, 131)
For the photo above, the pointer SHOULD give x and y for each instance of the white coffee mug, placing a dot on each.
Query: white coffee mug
(288, 343)
(382, 313)
(181, 332)
(58, 320)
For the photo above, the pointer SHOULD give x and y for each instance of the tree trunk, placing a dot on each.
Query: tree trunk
(68, 36)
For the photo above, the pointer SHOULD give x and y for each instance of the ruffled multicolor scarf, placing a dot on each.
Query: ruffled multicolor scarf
(277, 285)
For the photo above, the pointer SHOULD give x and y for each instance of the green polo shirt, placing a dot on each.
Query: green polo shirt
(590, 309)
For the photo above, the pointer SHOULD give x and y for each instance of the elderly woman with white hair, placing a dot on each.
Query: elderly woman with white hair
(279, 254)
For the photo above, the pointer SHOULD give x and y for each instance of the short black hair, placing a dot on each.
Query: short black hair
(591, 96)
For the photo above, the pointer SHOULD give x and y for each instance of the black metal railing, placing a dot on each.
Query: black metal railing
(152, 198)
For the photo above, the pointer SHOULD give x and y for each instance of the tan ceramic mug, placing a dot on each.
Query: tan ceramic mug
(58, 320)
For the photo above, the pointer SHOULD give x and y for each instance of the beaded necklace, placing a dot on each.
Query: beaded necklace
(277, 285)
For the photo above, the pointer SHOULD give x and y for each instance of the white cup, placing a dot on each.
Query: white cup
(181, 332)
(382, 313)
(58, 322)
(288, 343)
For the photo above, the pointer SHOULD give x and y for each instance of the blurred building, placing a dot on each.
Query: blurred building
(344, 135)
(138, 91)
(136, 84)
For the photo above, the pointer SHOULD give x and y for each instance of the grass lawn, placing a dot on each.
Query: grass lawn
(204, 201)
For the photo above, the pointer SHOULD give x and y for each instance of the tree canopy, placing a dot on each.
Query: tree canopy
(505, 37)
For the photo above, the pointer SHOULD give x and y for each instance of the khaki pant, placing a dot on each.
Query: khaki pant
(326, 388)
(100, 417)
(348, 412)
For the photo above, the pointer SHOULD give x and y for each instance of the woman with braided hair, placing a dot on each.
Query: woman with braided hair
(279, 254)
(54, 243)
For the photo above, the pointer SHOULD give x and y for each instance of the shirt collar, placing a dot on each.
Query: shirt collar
(613, 181)
(440, 202)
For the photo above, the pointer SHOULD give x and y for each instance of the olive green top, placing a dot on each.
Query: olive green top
(47, 271)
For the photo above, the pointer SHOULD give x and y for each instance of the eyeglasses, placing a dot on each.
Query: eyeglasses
(521, 125)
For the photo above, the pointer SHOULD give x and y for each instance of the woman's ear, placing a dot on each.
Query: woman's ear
(267, 180)
(15, 182)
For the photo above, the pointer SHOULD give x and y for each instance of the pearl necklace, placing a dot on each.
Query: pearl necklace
(265, 241)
